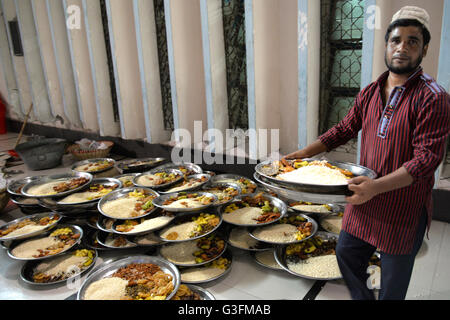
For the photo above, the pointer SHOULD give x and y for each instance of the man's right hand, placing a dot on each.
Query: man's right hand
(308, 152)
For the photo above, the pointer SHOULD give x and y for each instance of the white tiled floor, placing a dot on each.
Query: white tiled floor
(247, 280)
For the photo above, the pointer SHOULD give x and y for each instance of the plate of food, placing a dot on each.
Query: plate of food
(185, 201)
(207, 272)
(291, 193)
(128, 203)
(139, 165)
(158, 178)
(189, 183)
(247, 185)
(225, 191)
(313, 259)
(187, 168)
(57, 185)
(14, 187)
(240, 238)
(253, 209)
(266, 259)
(313, 175)
(192, 292)
(94, 166)
(65, 267)
(133, 278)
(29, 226)
(311, 208)
(127, 179)
(143, 225)
(292, 228)
(194, 253)
(147, 240)
(114, 241)
(191, 227)
(90, 240)
(105, 224)
(55, 242)
(332, 223)
(86, 197)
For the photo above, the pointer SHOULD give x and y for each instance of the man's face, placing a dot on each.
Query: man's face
(405, 50)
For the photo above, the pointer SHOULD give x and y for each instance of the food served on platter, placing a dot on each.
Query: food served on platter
(95, 166)
(332, 224)
(147, 239)
(191, 227)
(95, 191)
(136, 281)
(127, 180)
(157, 178)
(188, 183)
(28, 225)
(194, 252)
(117, 241)
(205, 272)
(251, 210)
(247, 186)
(184, 293)
(188, 200)
(55, 187)
(63, 267)
(239, 237)
(134, 204)
(319, 172)
(310, 207)
(288, 229)
(267, 258)
(58, 241)
(143, 224)
(315, 257)
(223, 192)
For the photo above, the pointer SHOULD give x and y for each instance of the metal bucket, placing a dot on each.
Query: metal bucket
(43, 153)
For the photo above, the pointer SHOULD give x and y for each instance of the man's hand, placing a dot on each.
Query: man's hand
(364, 189)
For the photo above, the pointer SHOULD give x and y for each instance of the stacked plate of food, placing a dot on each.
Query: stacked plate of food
(189, 183)
(192, 292)
(189, 201)
(83, 200)
(312, 175)
(127, 179)
(240, 238)
(139, 165)
(54, 242)
(98, 167)
(208, 272)
(195, 252)
(158, 178)
(257, 209)
(246, 185)
(26, 204)
(292, 228)
(314, 258)
(132, 278)
(60, 269)
(225, 191)
(187, 168)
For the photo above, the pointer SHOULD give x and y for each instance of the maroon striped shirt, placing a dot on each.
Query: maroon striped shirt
(410, 131)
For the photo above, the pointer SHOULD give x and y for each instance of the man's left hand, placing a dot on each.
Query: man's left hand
(364, 189)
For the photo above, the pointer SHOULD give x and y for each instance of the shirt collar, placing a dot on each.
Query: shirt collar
(383, 77)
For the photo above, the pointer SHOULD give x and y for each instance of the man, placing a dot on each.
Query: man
(404, 123)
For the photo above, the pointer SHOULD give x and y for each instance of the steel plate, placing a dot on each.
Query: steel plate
(109, 268)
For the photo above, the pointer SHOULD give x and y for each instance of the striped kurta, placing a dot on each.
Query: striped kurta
(409, 131)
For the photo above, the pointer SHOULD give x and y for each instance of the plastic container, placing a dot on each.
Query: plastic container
(43, 153)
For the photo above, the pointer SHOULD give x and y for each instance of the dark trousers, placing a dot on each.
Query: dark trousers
(353, 257)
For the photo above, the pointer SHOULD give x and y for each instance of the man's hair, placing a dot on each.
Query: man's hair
(407, 23)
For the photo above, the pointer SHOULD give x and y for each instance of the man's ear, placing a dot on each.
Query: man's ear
(425, 50)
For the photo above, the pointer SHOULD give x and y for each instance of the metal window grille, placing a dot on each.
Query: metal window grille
(235, 55)
(341, 48)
